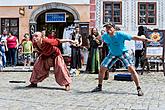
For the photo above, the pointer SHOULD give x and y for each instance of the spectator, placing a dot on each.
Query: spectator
(93, 63)
(44, 33)
(52, 35)
(139, 48)
(12, 44)
(27, 50)
(104, 50)
(75, 52)
(104, 53)
(3, 47)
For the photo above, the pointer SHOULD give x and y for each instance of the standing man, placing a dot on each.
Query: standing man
(118, 51)
(139, 49)
(75, 52)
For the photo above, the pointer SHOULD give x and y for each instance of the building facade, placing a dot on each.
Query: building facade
(130, 14)
(28, 16)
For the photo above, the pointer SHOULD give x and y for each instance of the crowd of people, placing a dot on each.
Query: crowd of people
(97, 50)
(8, 47)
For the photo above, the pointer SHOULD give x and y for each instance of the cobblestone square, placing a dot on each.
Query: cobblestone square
(116, 95)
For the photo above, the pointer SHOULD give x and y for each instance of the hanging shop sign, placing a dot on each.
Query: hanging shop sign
(55, 17)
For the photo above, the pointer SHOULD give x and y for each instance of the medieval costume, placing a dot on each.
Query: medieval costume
(93, 63)
(49, 56)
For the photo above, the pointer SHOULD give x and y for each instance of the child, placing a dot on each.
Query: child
(27, 50)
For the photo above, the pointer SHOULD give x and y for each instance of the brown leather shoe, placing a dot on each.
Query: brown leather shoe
(32, 85)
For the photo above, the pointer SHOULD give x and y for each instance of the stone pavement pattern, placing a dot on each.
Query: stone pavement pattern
(116, 95)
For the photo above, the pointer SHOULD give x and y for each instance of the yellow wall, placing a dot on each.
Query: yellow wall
(10, 12)
(83, 11)
(13, 12)
(24, 22)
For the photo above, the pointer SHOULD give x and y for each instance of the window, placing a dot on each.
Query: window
(10, 24)
(112, 12)
(146, 13)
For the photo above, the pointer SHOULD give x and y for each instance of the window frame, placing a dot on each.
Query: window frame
(147, 15)
(112, 13)
(10, 26)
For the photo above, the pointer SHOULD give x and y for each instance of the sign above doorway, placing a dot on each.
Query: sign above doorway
(55, 17)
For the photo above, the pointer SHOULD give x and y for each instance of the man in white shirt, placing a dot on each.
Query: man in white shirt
(139, 48)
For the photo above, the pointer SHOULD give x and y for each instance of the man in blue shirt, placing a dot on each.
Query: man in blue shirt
(115, 41)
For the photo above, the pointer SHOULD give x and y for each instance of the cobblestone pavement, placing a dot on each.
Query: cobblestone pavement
(116, 95)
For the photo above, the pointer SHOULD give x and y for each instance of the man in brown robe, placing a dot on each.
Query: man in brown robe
(49, 56)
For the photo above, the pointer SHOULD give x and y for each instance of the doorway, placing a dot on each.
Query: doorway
(57, 26)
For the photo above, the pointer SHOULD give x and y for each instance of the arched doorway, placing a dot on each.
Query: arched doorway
(72, 16)
(37, 19)
(57, 26)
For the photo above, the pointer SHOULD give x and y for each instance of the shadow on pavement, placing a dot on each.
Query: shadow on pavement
(17, 81)
(83, 92)
(127, 93)
(103, 92)
(49, 88)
